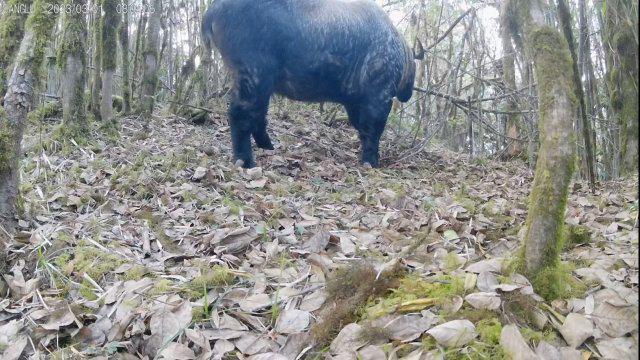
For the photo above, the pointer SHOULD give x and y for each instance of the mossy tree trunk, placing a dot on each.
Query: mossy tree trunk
(150, 62)
(621, 41)
(109, 45)
(96, 79)
(18, 100)
(73, 62)
(142, 24)
(11, 32)
(514, 147)
(558, 109)
(124, 46)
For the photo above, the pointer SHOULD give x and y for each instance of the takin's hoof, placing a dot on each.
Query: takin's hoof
(244, 164)
(268, 146)
(367, 165)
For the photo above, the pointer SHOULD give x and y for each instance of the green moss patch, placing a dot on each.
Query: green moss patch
(210, 278)
(576, 235)
(96, 263)
(414, 292)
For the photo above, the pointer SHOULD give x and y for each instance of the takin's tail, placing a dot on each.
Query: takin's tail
(405, 87)
(207, 29)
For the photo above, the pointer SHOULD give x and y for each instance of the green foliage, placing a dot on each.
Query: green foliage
(51, 109)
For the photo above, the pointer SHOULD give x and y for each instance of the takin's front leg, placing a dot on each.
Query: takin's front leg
(247, 117)
(371, 123)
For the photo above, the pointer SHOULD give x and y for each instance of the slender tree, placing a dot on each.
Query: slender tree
(592, 100)
(124, 47)
(96, 79)
(17, 102)
(109, 26)
(142, 25)
(565, 22)
(558, 109)
(150, 62)
(11, 32)
(73, 61)
(514, 147)
(620, 21)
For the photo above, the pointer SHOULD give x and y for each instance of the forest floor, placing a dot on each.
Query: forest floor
(150, 244)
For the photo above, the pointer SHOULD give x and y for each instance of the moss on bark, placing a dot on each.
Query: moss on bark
(108, 26)
(7, 140)
(620, 37)
(11, 31)
(124, 46)
(150, 63)
(73, 61)
(18, 100)
(558, 109)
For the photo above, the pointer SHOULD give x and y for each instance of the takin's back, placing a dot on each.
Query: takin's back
(313, 50)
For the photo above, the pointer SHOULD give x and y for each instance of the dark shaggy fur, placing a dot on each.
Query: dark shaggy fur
(342, 51)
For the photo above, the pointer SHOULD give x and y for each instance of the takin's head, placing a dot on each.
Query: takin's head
(405, 87)
(206, 29)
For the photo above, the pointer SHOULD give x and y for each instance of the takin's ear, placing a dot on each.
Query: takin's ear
(418, 50)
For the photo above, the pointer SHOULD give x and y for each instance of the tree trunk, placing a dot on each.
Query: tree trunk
(96, 82)
(109, 26)
(186, 71)
(620, 20)
(558, 109)
(150, 63)
(592, 101)
(514, 148)
(565, 22)
(18, 100)
(124, 45)
(11, 32)
(142, 24)
(74, 61)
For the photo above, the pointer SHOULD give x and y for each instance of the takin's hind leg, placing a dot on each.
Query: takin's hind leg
(372, 118)
(260, 134)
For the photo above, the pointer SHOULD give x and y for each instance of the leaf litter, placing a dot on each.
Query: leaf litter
(157, 247)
